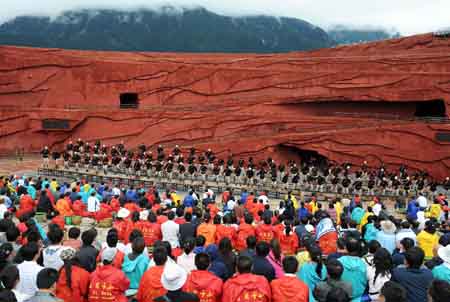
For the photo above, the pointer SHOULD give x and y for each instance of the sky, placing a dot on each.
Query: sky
(406, 16)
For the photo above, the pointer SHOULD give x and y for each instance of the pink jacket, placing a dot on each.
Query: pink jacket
(277, 265)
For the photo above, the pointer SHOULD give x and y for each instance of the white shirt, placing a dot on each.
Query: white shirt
(376, 209)
(28, 271)
(170, 231)
(375, 287)
(51, 256)
(230, 204)
(93, 204)
(115, 191)
(3, 210)
(264, 199)
(20, 297)
(405, 233)
(423, 203)
(120, 246)
(187, 262)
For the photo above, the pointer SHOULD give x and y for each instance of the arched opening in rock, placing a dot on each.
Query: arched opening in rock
(301, 155)
(129, 100)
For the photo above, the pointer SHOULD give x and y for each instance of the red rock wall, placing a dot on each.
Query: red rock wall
(247, 104)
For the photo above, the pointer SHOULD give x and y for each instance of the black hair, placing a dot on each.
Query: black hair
(251, 242)
(407, 243)
(393, 292)
(315, 253)
(341, 243)
(112, 238)
(152, 217)
(262, 249)
(46, 278)
(353, 246)
(12, 234)
(135, 234)
(171, 215)
(29, 251)
(202, 261)
(276, 248)
(88, 236)
(206, 217)
(217, 219)
(55, 235)
(373, 246)
(200, 240)
(159, 255)
(135, 216)
(382, 261)
(188, 245)
(33, 236)
(267, 219)
(9, 277)
(138, 245)
(439, 291)
(188, 216)
(337, 294)
(290, 265)
(248, 219)
(414, 257)
(74, 233)
(179, 211)
(225, 246)
(335, 269)
(405, 225)
(244, 264)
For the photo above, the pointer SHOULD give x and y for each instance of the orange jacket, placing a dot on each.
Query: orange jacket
(288, 243)
(115, 205)
(223, 231)
(26, 205)
(64, 207)
(79, 285)
(79, 208)
(104, 212)
(150, 286)
(121, 227)
(208, 230)
(108, 284)
(150, 231)
(213, 210)
(118, 259)
(328, 243)
(289, 288)
(265, 232)
(247, 287)
(245, 230)
(205, 285)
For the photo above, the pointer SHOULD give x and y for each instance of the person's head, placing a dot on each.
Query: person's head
(12, 233)
(414, 257)
(405, 224)
(337, 294)
(9, 277)
(244, 264)
(74, 233)
(207, 217)
(29, 251)
(290, 265)
(373, 246)
(138, 245)
(112, 238)
(251, 242)
(171, 215)
(152, 217)
(188, 216)
(334, 269)
(439, 290)
(431, 226)
(267, 220)
(248, 219)
(275, 248)
(88, 236)
(134, 234)
(315, 253)
(225, 246)
(200, 241)
(46, 279)
(406, 243)
(217, 219)
(340, 243)
(188, 245)
(55, 235)
(159, 255)
(353, 247)
(202, 261)
(392, 292)
(262, 249)
(383, 262)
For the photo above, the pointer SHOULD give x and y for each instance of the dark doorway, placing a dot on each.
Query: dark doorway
(129, 100)
(435, 108)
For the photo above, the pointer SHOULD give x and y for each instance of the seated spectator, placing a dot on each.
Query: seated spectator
(28, 269)
(442, 272)
(386, 237)
(439, 291)
(338, 295)
(414, 278)
(9, 278)
(227, 256)
(135, 264)
(334, 270)
(217, 266)
(428, 238)
(275, 258)
(150, 286)
(289, 287)
(205, 284)
(405, 232)
(87, 255)
(392, 292)
(73, 281)
(73, 241)
(245, 284)
(373, 246)
(51, 254)
(288, 241)
(313, 271)
(379, 273)
(107, 282)
(46, 283)
(261, 266)
(187, 229)
(187, 259)
(354, 269)
(173, 279)
(399, 257)
(251, 246)
(199, 244)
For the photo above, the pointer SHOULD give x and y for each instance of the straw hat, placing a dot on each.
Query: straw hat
(388, 226)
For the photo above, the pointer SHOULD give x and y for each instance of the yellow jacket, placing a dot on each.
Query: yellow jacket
(434, 211)
(293, 199)
(427, 242)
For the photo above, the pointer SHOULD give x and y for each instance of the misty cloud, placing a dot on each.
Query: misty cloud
(406, 16)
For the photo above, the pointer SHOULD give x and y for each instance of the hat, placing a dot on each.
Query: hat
(68, 254)
(143, 215)
(173, 277)
(444, 253)
(109, 253)
(388, 226)
(123, 213)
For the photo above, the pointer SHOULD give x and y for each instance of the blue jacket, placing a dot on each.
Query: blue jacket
(244, 196)
(442, 272)
(131, 195)
(354, 273)
(371, 232)
(357, 214)
(412, 210)
(134, 269)
(387, 241)
(308, 275)
(188, 201)
(217, 267)
(302, 212)
(415, 281)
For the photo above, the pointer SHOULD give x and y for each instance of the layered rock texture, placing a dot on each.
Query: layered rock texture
(348, 104)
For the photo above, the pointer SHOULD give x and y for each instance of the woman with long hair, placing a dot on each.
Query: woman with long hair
(289, 240)
(379, 273)
(276, 257)
(313, 271)
(227, 256)
(187, 259)
(73, 281)
(9, 278)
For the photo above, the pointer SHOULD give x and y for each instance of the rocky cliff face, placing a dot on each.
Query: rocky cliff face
(350, 103)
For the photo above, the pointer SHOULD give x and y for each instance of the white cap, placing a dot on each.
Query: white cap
(173, 277)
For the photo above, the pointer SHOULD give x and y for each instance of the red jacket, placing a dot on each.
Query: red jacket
(205, 285)
(115, 204)
(108, 284)
(26, 205)
(118, 259)
(79, 208)
(328, 243)
(288, 243)
(247, 288)
(289, 288)
(245, 230)
(265, 232)
(150, 286)
(104, 212)
(223, 231)
(130, 226)
(151, 231)
(79, 285)
(121, 227)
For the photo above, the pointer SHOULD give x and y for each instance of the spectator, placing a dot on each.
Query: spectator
(46, 282)
(107, 282)
(334, 270)
(405, 232)
(399, 257)
(354, 269)
(392, 292)
(275, 258)
(341, 250)
(289, 287)
(207, 230)
(246, 283)
(379, 273)
(187, 229)
(51, 254)
(428, 239)
(93, 204)
(207, 285)
(187, 259)
(251, 246)
(245, 231)
(386, 237)
(442, 272)
(6, 255)
(415, 279)
(28, 269)
(73, 281)
(217, 267)
(313, 271)
(288, 241)
(199, 244)
(150, 286)
(338, 295)
(171, 231)
(9, 278)
(87, 254)
(73, 241)
(227, 256)
(136, 263)
(439, 291)
(173, 279)
(261, 266)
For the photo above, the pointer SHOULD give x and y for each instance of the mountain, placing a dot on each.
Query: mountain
(168, 29)
(345, 35)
